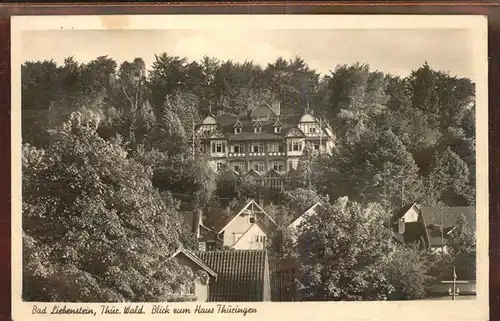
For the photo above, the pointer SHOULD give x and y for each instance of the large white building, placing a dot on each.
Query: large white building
(263, 143)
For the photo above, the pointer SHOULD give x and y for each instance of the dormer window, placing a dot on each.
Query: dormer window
(277, 126)
(237, 127)
(257, 127)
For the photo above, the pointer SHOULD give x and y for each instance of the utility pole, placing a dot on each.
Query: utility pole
(442, 232)
(193, 139)
(320, 134)
(454, 283)
(402, 194)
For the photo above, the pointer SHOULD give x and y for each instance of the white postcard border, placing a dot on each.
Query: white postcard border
(411, 310)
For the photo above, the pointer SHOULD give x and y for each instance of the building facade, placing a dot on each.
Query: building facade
(263, 142)
(249, 228)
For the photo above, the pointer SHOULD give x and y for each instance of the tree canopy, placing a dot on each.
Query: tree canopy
(108, 152)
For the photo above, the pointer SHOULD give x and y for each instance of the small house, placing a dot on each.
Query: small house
(197, 289)
(248, 229)
(234, 276)
(429, 227)
(242, 276)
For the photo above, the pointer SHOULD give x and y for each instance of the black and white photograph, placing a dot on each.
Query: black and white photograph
(179, 166)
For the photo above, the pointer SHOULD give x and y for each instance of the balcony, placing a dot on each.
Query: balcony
(236, 155)
(276, 154)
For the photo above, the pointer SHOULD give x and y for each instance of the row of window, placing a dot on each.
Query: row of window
(256, 165)
(257, 130)
(255, 238)
(294, 146)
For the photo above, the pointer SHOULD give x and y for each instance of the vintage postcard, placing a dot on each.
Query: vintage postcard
(281, 167)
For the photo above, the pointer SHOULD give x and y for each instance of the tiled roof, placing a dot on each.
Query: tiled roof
(197, 260)
(227, 122)
(240, 275)
(448, 215)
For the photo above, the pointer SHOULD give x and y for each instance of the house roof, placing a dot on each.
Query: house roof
(250, 203)
(415, 232)
(403, 210)
(299, 213)
(433, 218)
(195, 259)
(446, 218)
(227, 123)
(262, 111)
(240, 274)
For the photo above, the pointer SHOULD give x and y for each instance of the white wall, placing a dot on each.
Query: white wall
(248, 242)
(411, 216)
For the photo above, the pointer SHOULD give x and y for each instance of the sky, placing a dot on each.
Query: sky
(395, 51)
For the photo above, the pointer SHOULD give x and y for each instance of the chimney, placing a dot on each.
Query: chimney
(198, 218)
(276, 107)
(202, 246)
(401, 226)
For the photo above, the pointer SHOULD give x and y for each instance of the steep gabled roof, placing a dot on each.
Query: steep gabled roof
(196, 260)
(258, 223)
(304, 213)
(403, 210)
(272, 172)
(253, 172)
(253, 203)
(241, 275)
(262, 111)
(415, 231)
(227, 122)
(295, 132)
(448, 216)
(445, 218)
(238, 124)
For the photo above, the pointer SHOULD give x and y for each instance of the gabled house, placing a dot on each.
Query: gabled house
(441, 222)
(234, 276)
(409, 227)
(198, 289)
(262, 139)
(302, 215)
(429, 227)
(243, 276)
(248, 229)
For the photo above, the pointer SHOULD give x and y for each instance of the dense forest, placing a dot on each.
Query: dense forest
(107, 155)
